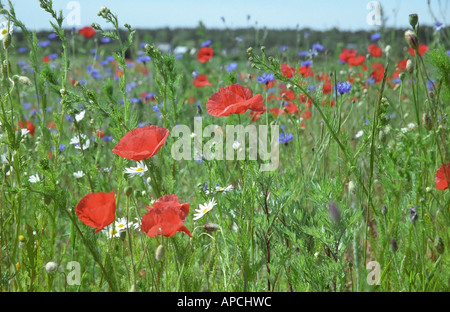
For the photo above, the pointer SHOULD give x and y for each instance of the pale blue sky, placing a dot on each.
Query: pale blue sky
(316, 14)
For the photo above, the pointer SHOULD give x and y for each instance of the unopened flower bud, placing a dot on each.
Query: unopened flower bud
(24, 80)
(249, 50)
(409, 66)
(21, 238)
(334, 212)
(128, 191)
(394, 246)
(439, 245)
(411, 39)
(413, 19)
(7, 40)
(51, 267)
(211, 227)
(427, 122)
(351, 187)
(159, 253)
(384, 210)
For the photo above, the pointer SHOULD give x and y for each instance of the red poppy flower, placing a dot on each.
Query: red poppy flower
(442, 177)
(165, 217)
(46, 59)
(356, 60)
(306, 71)
(97, 210)
(346, 54)
(326, 88)
(205, 54)
(201, 81)
(277, 111)
(287, 71)
(87, 32)
(30, 127)
(234, 99)
(402, 64)
(291, 108)
(286, 94)
(423, 48)
(306, 115)
(374, 50)
(378, 72)
(141, 143)
(255, 115)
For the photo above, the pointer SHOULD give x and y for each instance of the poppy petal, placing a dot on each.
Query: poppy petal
(234, 99)
(141, 143)
(440, 177)
(97, 210)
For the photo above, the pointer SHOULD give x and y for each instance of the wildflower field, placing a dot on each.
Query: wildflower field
(306, 167)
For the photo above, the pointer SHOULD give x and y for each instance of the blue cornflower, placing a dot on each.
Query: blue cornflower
(105, 40)
(284, 138)
(231, 67)
(430, 83)
(143, 59)
(44, 44)
(22, 49)
(317, 47)
(53, 56)
(207, 43)
(448, 52)
(303, 53)
(61, 147)
(371, 80)
(52, 36)
(156, 108)
(179, 56)
(284, 48)
(344, 87)
(375, 37)
(438, 26)
(265, 78)
(238, 39)
(306, 63)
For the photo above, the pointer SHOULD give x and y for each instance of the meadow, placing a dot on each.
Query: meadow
(118, 172)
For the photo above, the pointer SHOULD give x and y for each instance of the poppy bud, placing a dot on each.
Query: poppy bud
(211, 227)
(410, 66)
(411, 39)
(159, 253)
(427, 122)
(382, 136)
(351, 187)
(439, 245)
(413, 19)
(394, 246)
(401, 76)
(334, 212)
(128, 191)
(7, 40)
(51, 267)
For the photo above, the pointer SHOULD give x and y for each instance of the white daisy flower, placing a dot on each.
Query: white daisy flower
(79, 117)
(76, 141)
(5, 28)
(203, 209)
(24, 132)
(118, 226)
(34, 179)
(220, 189)
(139, 170)
(79, 174)
(359, 134)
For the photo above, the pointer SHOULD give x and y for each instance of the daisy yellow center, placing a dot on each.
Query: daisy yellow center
(205, 210)
(120, 226)
(139, 169)
(113, 232)
(4, 31)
